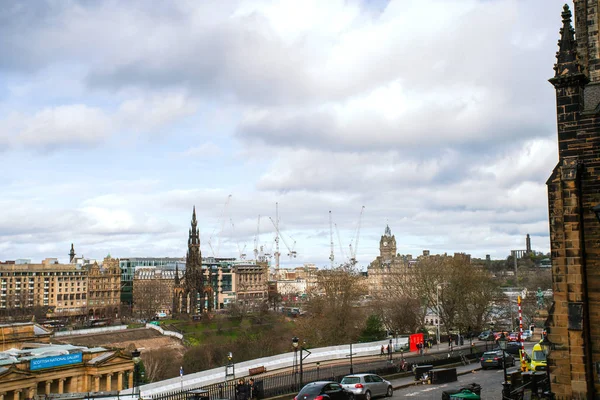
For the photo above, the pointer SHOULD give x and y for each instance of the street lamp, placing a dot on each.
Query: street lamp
(229, 368)
(502, 344)
(296, 345)
(547, 345)
(390, 350)
(135, 356)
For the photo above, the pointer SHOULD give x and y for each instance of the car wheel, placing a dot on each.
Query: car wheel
(368, 395)
(390, 392)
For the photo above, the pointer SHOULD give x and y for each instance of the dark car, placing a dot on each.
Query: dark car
(493, 359)
(323, 390)
(486, 335)
(513, 348)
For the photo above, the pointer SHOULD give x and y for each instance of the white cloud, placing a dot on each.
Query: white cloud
(75, 124)
(434, 114)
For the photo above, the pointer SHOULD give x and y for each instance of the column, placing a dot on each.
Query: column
(119, 381)
(17, 395)
(32, 392)
(2, 394)
(131, 378)
(108, 382)
(96, 383)
(61, 386)
(48, 386)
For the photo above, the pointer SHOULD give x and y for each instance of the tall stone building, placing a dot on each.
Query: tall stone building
(573, 191)
(387, 266)
(60, 290)
(194, 293)
(104, 288)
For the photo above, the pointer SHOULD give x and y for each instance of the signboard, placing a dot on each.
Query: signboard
(55, 361)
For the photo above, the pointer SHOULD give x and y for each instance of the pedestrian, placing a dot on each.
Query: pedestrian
(389, 349)
(421, 348)
(252, 389)
(449, 340)
(241, 390)
(382, 351)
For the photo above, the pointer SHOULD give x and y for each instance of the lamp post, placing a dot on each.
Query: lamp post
(296, 345)
(295, 363)
(506, 387)
(390, 350)
(350, 355)
(437, 306)
(546, 345)
(229, 368)
(135, 356)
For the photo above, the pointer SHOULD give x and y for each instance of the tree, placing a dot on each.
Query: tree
(400, 305)
(462, 293)
(373, 329)
(331, 315)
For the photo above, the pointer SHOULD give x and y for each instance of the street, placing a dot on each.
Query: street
(490, 381)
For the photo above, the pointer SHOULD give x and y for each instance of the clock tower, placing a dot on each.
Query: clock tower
(387, 245)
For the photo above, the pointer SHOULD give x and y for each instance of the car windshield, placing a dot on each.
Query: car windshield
(490, 355)
(538, 356)
(312, 389)
(350, 379)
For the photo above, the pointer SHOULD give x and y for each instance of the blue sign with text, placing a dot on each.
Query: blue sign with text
(55, 361)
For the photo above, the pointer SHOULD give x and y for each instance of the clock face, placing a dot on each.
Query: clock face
(385, 244)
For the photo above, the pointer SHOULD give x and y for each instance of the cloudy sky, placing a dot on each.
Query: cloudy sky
(117, 117)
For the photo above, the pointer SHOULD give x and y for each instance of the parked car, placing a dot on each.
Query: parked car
(366, 386)
(527, 334)
(323, 390)
(486, 335)
(493, 359)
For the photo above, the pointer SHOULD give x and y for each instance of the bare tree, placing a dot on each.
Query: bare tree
(332, 317)
(148, 298)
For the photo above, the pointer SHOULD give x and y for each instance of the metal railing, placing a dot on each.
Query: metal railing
(277, 384)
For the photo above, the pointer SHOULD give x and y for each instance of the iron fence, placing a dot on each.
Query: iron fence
(289, 382)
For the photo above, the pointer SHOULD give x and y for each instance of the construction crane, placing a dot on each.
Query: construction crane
(344, 257)
(241, 253)
(218, 236)
(277, 253)
(331, 256)
(291, 252)
(353, 250)
(256, 239)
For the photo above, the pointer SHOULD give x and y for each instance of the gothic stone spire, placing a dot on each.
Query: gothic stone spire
(72, 254)
(567, 68)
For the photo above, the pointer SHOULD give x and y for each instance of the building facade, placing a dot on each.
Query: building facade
(104, 288)
(60, 289)
(129, 265)
(153, 291)
(573, 192)
(44, 370)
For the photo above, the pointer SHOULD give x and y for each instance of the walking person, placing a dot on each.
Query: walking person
(382, 351)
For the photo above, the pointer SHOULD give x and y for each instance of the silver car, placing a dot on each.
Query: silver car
(366, 386)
